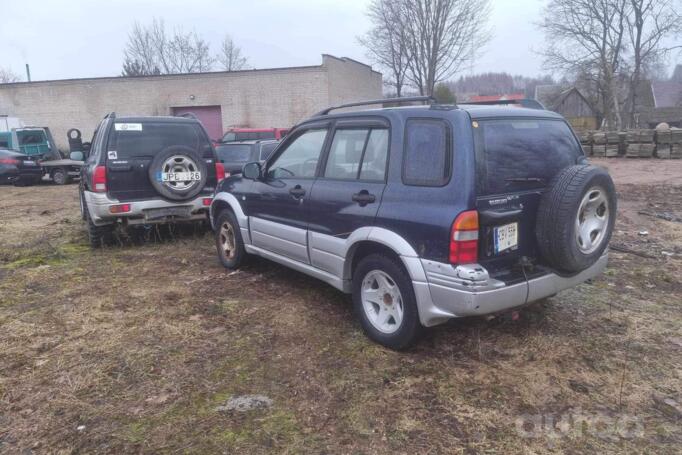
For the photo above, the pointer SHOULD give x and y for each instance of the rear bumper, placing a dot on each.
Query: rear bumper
(446, 295)
(141, 212)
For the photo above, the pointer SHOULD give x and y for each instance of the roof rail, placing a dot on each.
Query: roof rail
(525, 102)
(191, 115)
(410, 99)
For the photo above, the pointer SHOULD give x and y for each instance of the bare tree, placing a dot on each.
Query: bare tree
(8, 76)
(230, 56)
(650, 23)
(441, 36)
(586, 37)
(384, 42)
(152, 50)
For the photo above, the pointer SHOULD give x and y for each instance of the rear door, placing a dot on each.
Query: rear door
(348, 192)
(516, 158)
(131, 146)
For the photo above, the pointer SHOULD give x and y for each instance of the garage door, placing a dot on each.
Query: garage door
(210, 116)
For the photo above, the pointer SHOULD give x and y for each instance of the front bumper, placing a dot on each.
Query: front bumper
(145, 211)
(447, 294)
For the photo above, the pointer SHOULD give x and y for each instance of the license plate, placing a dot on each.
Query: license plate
(29, 163)
(180, 176)
(180, 212)
(506, 237)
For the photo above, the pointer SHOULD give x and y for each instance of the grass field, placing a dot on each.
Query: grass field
(130, 349)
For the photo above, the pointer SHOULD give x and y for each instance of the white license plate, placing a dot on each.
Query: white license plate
(506, 237)
(29, 163)
(180, 176)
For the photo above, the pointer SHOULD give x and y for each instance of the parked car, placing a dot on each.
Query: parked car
(252, 134)
(424, 213)
(144, 170)
(18, 168)
(234, 155)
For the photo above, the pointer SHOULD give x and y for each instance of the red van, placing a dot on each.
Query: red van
(252, 134)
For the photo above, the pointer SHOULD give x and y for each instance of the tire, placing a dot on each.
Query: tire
(60, 176)
(81, 199)
(98, 236)
(575, 218)
(226, 225)
(71, 136)
(186, 160)
(369, 301)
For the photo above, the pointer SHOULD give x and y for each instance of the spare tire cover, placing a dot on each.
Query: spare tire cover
(575, 218)
(178, 159)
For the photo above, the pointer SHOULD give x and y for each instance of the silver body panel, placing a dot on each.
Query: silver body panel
(442, 291)
(98, 207)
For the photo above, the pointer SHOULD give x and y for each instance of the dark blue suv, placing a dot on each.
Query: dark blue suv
(424, 213)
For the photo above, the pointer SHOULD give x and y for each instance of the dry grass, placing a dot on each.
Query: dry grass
(131, 348)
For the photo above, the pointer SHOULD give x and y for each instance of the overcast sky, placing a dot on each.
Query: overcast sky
(86, 38)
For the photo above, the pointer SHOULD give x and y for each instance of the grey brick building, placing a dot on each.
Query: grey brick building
(277, 97)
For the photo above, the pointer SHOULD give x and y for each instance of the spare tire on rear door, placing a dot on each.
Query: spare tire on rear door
(576, 216)
(178, 172)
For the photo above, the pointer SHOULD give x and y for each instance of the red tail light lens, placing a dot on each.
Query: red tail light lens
(123, 208)
(219, 172)
(206, 201)
(464, 238)
(9, 161)
(99, 180)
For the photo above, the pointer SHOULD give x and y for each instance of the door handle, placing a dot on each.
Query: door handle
(363, 198)
(297, 192)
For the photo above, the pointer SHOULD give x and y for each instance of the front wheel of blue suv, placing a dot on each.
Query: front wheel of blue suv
(228, 240)
(384, 300)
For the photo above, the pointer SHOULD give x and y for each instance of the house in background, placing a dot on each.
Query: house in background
(662, 102)
(570, 103)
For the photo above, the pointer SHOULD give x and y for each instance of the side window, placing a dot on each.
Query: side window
(229, 137)
(358, 153)
(374, 160)
(426, 159)
(300, 157)
(345, 154)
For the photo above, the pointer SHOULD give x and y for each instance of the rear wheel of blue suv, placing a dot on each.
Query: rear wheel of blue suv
(423, 214)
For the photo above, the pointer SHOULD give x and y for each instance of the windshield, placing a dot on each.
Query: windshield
(234, 153)
(522, 154)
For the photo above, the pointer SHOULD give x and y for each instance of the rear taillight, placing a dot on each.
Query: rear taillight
(206, 202)
(10, 161)
(464, 238)
(219, 172)
(99, 180)
(122, 208)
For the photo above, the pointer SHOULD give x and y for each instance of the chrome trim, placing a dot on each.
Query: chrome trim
(98, 207)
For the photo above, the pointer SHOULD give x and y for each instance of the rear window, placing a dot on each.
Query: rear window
(267, 149)
(266, 135)
(149, 138)
(234, 153)
(427, 153)
(521, 154)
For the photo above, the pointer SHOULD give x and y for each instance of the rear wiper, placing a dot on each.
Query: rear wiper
(525, 179)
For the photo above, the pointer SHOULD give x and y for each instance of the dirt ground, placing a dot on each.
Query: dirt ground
(134, 348)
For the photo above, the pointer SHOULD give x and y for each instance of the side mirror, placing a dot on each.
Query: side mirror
(252, 171)
(77, 156)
